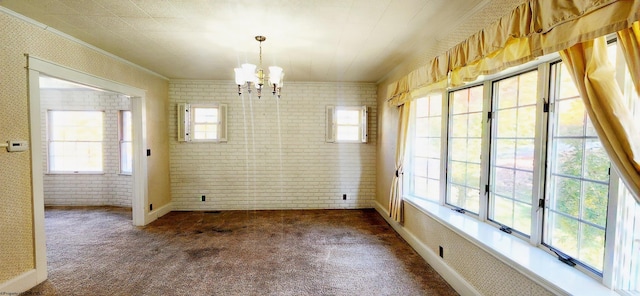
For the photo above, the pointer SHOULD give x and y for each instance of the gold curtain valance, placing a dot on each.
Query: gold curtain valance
(532, 29)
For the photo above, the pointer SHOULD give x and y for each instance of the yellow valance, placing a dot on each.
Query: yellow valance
(532, 29)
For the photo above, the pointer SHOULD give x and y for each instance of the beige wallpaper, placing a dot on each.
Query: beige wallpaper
(486, 273)
(17, 38)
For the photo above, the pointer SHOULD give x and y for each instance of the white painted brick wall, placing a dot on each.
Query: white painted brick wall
(109, 188)
(266, 167)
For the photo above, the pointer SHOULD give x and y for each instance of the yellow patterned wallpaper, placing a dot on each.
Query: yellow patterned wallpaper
(487, 274)
(17, 38)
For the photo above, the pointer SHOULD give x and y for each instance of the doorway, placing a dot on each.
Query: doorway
(39, 67)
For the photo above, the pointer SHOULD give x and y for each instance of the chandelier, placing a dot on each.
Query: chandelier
(247, 76)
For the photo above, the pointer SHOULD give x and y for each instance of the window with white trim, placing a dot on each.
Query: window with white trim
(577, 179)
(346, 124)
(512, 151)
(426, 135)
(521, 154)
(465, 148)
(202, 122)
(126, 145)
(75, 140)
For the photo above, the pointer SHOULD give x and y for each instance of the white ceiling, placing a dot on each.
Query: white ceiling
(313, 40)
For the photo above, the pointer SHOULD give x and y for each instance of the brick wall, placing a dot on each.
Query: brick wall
(271, 161)
(109, 188)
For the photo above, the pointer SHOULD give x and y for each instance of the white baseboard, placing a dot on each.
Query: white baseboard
(449, 274)
(20, 283)
(157, 213)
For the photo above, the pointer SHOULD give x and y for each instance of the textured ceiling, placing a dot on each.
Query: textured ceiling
(313, 40)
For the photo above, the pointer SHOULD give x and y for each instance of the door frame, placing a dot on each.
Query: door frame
(140, 198)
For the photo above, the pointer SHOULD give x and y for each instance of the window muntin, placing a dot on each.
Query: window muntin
(348, 124)
(425, 155)
(75, 141)
(204, 122)
(126, 144)
(577, 179)
(512, 151)
(465, 148)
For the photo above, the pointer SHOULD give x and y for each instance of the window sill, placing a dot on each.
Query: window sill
(529, 260)
(75, 173)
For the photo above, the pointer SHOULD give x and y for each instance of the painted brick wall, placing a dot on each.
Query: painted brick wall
(276, 156)
(109, 188)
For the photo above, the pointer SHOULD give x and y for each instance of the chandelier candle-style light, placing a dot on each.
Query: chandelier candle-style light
(247, 75)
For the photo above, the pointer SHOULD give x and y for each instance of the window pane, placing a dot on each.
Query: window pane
(465, 141)
(420, 166)
(524, 154)
(512, 145)
(568, 157)
(564, 234)
(347, 133)
(75, 141)
(426, 147)
(596, 162)
(126, 157)
(592, 246)
(595, 203)
(75, 156)
(504, 153)
(347, 117)
(205, 131)
(579, 179)
(75, 125)
(420, 186)
(422, 127)
(126, 126)
(566, 196)
(571, 117)
(421, 147)
(205, 115)
(504, 182)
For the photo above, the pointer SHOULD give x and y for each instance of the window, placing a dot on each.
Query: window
(346, 124)
(512, 151)
(578, 179)
(202, 122)
(521, 154)
(126, 146)
(465, 148)
(425, 156)
(75, 141)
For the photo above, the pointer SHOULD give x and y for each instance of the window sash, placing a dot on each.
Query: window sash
(125, 130)
(75, 143)
(574, 225)
(465, 148)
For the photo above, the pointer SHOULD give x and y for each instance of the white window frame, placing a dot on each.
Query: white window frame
(122, 141)
(412, 150)
(186, 122)
(614, 231)
(332, 124)
(50, 141)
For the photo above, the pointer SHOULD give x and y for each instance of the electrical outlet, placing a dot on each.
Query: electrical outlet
(204, 198)
(441, 251)
(344, 196)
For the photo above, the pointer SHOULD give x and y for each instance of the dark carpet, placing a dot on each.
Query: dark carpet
(97, 251)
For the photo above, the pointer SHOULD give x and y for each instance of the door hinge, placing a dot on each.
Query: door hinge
(541, 203)
(489, 115)
(486, 188)
(545, 107)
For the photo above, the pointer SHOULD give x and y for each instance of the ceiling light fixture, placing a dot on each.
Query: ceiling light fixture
(247, 75)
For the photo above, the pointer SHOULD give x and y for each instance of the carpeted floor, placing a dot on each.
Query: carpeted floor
(97, 251)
